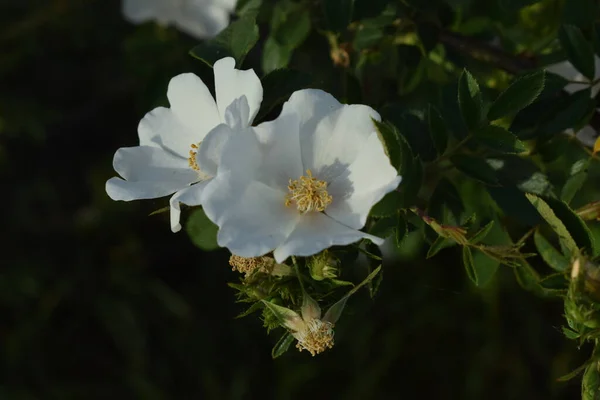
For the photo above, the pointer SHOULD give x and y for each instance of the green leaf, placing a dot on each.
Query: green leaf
(384, 227)
(334, 313)
(579, 51)
(235, 41)
(499, 139)
(438, 245)
(437, 129)
(275, 55)
(469, 99)
(387, 206)
(482, 233)
(521, 93)
(249, 8)
(283, 314)
(278, 85)
(391, 143)
(485, 267)
(412, 179)
(475, 168)
(571, 114)
(282, 345)
(514, 204)
(201, 230)
(338, 14)
(468, 263)
(564, 236)
(578, 229)
(516, 171)
(290, 26)
(549, 254)
(575, 182)
(401, 228)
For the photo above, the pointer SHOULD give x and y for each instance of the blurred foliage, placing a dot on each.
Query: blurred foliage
(100, 300)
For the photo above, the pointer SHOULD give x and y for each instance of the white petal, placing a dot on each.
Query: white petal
(138, 11)
(336, 141)
(587, 136)
(362, 185)
(315, 232)
(310, 105)
(237, 113)
(146, 163)
(281, 148)
(193, 104)
(231, 84)
(190, 196)
(202, 20)
(149, 172)
(209, 153)
(119, 189)
(251, 223)
(162, 128)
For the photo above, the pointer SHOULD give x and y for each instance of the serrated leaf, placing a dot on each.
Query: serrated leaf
(475, 168)
(278, 85)
(234, 41)
(469, 99)
(579, 51)
(521, 93)
(564, 236)
(438, 245)
(482, 233)
(282, 345)
(437, 129)
(499, 139)
(549, 254)
(201, 230)
(575, 225)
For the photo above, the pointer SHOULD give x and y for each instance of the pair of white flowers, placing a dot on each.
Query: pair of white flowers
(292, 186)
(198, 18)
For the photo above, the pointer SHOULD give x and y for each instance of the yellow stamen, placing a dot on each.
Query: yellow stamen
(316, 337)
(248, 265)
(192, 158)
(308, 193)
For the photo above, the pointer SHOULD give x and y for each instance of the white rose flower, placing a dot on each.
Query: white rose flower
(587, 135)
(198, 18)
(170, 138)
(299, 184)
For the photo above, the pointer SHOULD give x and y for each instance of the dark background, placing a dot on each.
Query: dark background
(98, 300)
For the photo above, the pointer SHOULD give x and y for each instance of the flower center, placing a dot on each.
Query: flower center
(193, 164)
(316, 338)
(248, 265)
(308, 193)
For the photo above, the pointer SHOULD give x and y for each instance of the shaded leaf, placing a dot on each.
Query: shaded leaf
(234, 41)
(549, 254)
(201, 230)
(282, 345)
(579, 51)
(499, 139)
(475, 168)
(469, 99)
(521, 93)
